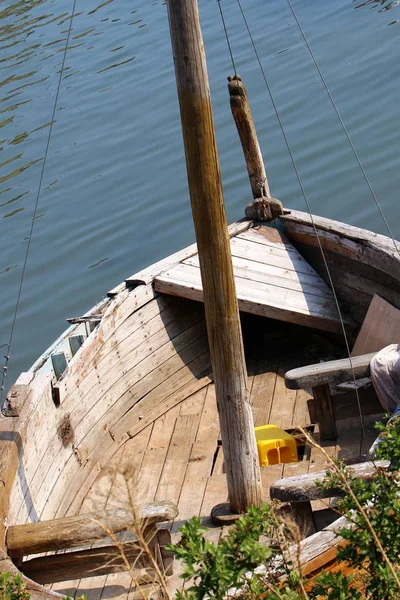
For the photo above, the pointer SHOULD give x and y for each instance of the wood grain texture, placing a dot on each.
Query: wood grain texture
(381, 327)
(272, 279)
(221, 309)
(332, 372)
(146, 276)
(361, 263)
(241, 112)
(304, 488)
(72, 532)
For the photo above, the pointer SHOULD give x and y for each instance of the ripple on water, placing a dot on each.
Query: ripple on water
(114, 193)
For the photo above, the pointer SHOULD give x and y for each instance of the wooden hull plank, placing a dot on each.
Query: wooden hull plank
(262, 391)
(126, 392)
(201, 458)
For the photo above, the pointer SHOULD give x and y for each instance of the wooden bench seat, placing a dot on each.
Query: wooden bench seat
(300, 490)
(77, 534)
(319, 377)
(272, 280)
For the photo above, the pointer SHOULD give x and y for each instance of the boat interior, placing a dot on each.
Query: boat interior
(121, 410)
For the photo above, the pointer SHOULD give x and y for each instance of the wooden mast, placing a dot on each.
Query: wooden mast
(263, 208)
(221, 308)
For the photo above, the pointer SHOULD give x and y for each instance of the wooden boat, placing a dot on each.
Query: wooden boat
(121, 409)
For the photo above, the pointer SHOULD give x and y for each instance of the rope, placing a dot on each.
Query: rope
(10, 341)
(345, 129)
(312, 221)
(226, 36)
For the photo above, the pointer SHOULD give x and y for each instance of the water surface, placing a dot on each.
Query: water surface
(114, 194)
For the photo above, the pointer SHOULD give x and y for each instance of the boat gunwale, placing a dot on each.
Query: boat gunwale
(378, 242)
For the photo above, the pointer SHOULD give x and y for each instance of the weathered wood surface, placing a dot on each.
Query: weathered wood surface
(36, 590)
(304, 488)
(170, 360)
(72, 532)
(17, 395)
(381, 327)
(241, 112)
(221, 308)
(272, 279)
(91, 562)
(147, 275)
(361, 263)
(331, 372)
(318, 549)
(57, 484)
(312, 554)
(368, 247)
(324, 411)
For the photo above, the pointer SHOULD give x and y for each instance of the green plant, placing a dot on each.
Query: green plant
(334, 586)
(12, 587)
(372, 509)
(215, 568)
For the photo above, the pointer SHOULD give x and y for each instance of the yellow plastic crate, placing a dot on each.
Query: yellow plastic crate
(275, 445)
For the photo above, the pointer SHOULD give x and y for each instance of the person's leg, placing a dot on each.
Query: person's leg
(385, 375)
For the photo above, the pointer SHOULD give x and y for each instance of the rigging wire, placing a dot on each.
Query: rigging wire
(345, 129)
(363, 435)
(10, 341)
(226, 36)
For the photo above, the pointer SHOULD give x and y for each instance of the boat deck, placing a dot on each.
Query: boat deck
(272, 280)
(179, 456)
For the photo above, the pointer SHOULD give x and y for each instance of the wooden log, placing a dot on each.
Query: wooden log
(332, 372)
(324, 411)
(303, 488)
(71, 532)
(221, 308)
(241, 112)
(91, 562)
(263, 208)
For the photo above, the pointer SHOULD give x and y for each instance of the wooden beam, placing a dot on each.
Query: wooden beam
(263, 208)
(243, 118)
(221, 308)
(303, 488)
(324, 412)
(332, 372)
(72, 532)
(90, 562)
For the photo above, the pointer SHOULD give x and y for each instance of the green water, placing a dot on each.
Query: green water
(114, 193)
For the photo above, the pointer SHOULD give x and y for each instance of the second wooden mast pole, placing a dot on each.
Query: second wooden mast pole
(221, 308)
